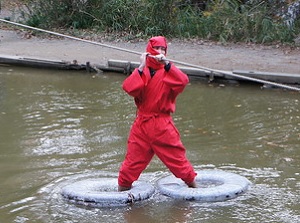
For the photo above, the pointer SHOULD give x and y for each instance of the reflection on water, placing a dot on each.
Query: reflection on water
(58, 127)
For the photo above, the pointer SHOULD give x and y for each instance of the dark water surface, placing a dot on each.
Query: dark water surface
(57, 127)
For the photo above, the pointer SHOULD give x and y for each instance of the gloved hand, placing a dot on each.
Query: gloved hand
(162, 59)
(143, 61)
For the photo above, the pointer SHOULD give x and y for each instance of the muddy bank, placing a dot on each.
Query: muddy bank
(16, 41)
(212, 55)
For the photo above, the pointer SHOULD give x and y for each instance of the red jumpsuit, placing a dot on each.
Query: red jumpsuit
(153, 131)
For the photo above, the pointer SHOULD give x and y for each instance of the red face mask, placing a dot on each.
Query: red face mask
(155, 41)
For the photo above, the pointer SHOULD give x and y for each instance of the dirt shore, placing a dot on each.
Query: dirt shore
(15, 41)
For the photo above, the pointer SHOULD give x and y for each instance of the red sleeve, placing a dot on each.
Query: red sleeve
(176, 79)
(133, 84)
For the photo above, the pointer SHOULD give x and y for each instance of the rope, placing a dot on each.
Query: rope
(238, 76)
(71, 37)
(174, 61)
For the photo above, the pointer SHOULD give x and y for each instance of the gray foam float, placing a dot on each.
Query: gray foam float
(213, 186)
(102, 192)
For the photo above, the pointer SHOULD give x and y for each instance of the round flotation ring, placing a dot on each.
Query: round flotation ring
(213, 186)
(102, 192)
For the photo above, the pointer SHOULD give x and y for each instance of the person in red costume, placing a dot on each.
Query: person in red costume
(155, 84)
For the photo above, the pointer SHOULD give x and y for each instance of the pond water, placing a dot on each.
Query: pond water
(58, 127)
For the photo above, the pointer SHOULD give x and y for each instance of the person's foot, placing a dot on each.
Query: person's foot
(120, 188)
(192, 185)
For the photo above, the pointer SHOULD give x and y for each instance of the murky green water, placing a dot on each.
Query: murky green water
(57, 126)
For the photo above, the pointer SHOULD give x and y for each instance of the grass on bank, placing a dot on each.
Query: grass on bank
(226, 21)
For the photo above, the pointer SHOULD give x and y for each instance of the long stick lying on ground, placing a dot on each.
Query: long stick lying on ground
(174, 61)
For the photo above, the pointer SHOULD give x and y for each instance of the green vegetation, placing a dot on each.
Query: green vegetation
(254, 21)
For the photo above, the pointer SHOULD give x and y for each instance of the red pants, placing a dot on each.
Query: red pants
(154, 134)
